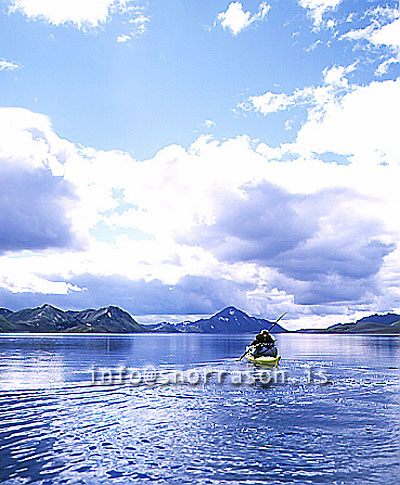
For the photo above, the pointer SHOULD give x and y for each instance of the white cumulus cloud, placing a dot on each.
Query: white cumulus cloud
(362, 125)
(217, 219)
(235, 19)
(318, 8)
(316, 98)
(87, 13)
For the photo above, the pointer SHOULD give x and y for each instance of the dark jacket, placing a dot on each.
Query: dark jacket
(266, 339)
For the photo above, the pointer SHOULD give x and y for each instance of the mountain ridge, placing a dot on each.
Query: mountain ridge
(388, 323)
(112, 319)
(49, 319)
(229, 320)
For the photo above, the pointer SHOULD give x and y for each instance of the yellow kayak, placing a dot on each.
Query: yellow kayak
(263, 360)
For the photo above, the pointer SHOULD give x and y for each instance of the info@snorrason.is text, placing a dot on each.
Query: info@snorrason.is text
(150, 376)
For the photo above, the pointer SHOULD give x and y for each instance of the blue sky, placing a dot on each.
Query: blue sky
(199, 154)
(160, 87)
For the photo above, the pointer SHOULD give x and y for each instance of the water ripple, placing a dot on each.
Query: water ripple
(68, 432)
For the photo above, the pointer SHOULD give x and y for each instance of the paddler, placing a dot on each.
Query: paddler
(264, 344)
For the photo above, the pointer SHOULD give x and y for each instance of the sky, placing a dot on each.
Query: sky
(174, 157)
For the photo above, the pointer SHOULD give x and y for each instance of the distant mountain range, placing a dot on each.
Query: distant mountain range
(48, 319)
(388, 323)
(111, 319)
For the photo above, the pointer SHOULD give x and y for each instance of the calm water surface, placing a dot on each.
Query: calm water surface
(56, 428)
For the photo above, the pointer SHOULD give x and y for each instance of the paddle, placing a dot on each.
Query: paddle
(276, 321)
(270, 328)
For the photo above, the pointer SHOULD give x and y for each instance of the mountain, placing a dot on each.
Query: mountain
(112, 319)
(387, 319)
(229, 320)
(4, 312)
(164, 327)
(42, 319)
(109, 319)
(6, 326)
(388, 323)
(48, 319)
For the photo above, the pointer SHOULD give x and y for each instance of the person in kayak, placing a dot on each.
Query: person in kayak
(263, 345)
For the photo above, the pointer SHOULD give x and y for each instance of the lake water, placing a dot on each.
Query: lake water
(56, 427)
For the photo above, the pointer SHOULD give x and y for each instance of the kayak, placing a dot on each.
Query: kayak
(263, 360)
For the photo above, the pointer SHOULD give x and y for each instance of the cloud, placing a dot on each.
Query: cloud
(28, 138)
(235, 19)
(269, 102)
(363, 125)
(343, 118)
(315, 98)
(33, 201)
(383, 33)
(388, 35)
(138, 27)
(194, 229)
(124, 38)
(384, 66)
(208, 124)
(192, 295)
(309, 238)
(9, 65)
(254, 225)
(32, 210)
(87, 13)
(318, 8)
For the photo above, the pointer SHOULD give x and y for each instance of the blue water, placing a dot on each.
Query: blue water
(55, 427)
